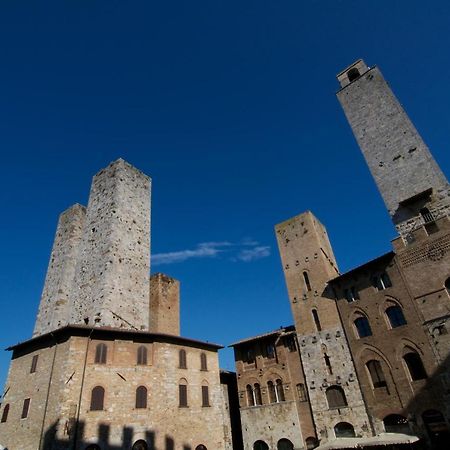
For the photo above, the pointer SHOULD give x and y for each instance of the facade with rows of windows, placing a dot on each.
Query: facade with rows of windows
(372, 355)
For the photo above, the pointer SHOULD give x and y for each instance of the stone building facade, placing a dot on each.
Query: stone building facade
(106, 367)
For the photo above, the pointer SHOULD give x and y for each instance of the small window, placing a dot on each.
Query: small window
(248, 355)
(285, 444)
(182, 394)
(257, 391)
(260, 445)
(336, 397)
(447, 285)
(25, 408)
(101, 353)
(395, 316)
(141, 397)
(316, 320)
(376, 373)
(250, 397)
(381, 282)
(142, 355)
(140, 445)
(427, 216)
(203, 362)
(306, 280)
(200, 447)
(363, 327)
(415, 366)
(272, 393)
(182, 359)
(311, 443)
(290, 343)
(269, 350)
(351, 294)
(205, 395)
(353, 74)
(5, 413)
(34, 362)
(301, 392)
(343, 430)
(97, 398)
(280, 391)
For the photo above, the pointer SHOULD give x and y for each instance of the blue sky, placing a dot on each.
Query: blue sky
(230, 107)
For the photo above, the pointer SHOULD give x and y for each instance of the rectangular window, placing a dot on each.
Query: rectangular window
(182, 389)
(25, 408)
(290, 343)
(205, 396)
(34, 362)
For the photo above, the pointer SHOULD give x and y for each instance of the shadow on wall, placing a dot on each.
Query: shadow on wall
(50, 442)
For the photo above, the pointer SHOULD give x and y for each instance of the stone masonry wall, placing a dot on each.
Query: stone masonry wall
(57, 295)
(112, 272)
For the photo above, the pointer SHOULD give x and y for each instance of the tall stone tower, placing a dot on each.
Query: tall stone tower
(100, 263)
(308, 264)
(412, 185)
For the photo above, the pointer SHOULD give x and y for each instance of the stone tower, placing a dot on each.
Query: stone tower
(308, 264)
(57, 295)
(164, 304)
(100, 263)
(411, 183)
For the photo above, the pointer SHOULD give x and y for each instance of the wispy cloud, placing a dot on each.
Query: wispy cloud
(247, 250)
(252, 254)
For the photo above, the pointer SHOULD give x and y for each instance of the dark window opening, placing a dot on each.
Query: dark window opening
(285, 444)
(200, 447)
(93, 447)
(353, 74)
(205, 396)
(381, 282)
(182, 393)
(101, 353)
(351, 294)
(301, 392)
(260, 445)
(290, 343)
(182, 359)
(311, 443)
(335, 397)
(248, 355)
(395, 316)
(415, 366)
(203, 362)
(34, 362)
(140, 445)
(269, 350)
(431, 228)
(97, 398)
(447, 285)
(395, 423)
(272, 393)
(307, 282)
(250, 397)
(316, 320)
(142, 356)
(280, 391)
(257, 391)
(427, 216)
(328, 363)
(344, 429)
(141, 397)
(25, 408)
(363, 327)
(5, 413)
(376, 373)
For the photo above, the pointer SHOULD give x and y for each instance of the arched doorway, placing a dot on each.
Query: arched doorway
(437, 428)
(395, 423)
(260, 445)
(344, 429)
(285, 444)
(140, 445)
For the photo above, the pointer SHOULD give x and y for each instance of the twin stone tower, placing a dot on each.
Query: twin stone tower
(98, 274)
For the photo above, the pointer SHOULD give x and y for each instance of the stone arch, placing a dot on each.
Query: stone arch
(260, 445)
(140, 445)
(285, 444)
(311, 443)
(344, 429)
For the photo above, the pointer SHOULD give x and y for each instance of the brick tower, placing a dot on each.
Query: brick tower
(308, 264)
(411, 183)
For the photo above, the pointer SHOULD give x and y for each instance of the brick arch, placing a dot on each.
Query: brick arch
(271, 376)
(355, 314)
(367, 349)
(404, 344)
(389, 300)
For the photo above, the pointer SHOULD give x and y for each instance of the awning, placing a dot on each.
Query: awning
(380, 440)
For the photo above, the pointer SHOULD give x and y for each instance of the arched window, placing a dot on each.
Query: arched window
(200, 447)
(257, 390)
(272, 393)
(344, 429)
(5, 413)
(141, 397)
(311, 443)
(250, 398)
(205, 394)
(203, 362)
(395, 423)
(280, 391)
(376, 373)
(395, 316)
(285, 444)
(301, 392)
(140, 445)
(101, 353)
(260, 445)
(306, 280)
(182, 359)
(335, 397)
(363, 327)
(142, 355)
(182, 393)
(353, 74)
(316, 320)
(97, 398)
(93, 447)
(415, 366)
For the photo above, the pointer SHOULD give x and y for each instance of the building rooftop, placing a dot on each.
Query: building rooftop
(280, 330)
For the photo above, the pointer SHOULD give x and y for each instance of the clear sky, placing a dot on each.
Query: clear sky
(230, 107)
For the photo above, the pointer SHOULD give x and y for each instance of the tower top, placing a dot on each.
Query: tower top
(352, 72)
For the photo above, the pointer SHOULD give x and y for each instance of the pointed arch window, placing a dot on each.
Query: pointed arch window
(142, 355)
(5, 413)
(415, 366)
(97, 398)
(395, 315)
(376, 373)
(280, 390)
(335, 397)
(182, 359)
(362, 326)
(141, 397)
(203, 362)
(101, 353)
